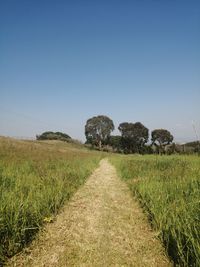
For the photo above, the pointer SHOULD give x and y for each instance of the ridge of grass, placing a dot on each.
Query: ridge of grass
(168, 188)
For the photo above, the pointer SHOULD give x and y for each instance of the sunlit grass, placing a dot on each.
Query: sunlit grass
(35, 180)
(168, 188)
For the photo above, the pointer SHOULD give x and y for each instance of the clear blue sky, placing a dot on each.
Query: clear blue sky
(62, 62)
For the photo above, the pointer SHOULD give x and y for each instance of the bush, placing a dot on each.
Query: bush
(53, 136)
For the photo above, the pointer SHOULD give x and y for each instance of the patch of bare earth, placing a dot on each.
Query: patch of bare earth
(102, 225)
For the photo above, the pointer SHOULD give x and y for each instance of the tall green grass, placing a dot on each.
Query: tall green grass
(35, 181)
(168, 188)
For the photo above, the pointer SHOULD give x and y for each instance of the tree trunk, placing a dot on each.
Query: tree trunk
(100, 144)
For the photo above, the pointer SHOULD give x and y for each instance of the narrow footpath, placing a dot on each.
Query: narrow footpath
(102, 225)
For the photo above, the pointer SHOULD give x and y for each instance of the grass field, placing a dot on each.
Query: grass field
(36, 178)
(168, 188)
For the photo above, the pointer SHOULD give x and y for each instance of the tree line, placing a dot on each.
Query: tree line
(133, 139)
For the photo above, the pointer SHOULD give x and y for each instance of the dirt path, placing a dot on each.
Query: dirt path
(102, 225)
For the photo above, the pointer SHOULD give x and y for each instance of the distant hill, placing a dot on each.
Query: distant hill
(53, 136)
(193, 144)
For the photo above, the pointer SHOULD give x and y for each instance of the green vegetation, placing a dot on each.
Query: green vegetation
(133, 139)
(161, 138)
(98, 130)
(168, 188)
(193, 146)
(36, 178)
(53, 136)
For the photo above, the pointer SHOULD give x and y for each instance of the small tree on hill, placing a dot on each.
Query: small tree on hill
(98, 130)
(53, 136)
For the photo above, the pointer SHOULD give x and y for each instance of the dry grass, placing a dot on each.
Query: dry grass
(101, 226)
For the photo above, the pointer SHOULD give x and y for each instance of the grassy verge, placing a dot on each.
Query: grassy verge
(36, 178)
(168, 188)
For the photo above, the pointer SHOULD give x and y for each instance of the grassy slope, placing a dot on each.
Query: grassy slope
(168, 187)
(36, 178)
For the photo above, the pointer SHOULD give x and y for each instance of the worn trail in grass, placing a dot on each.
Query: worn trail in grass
(102, 225)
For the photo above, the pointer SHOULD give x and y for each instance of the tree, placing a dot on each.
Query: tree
(134, 136)
(98, 130)
(161, 138)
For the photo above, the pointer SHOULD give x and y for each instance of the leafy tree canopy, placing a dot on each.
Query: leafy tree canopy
(98, 129)
(134, 136)
(161, 137)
